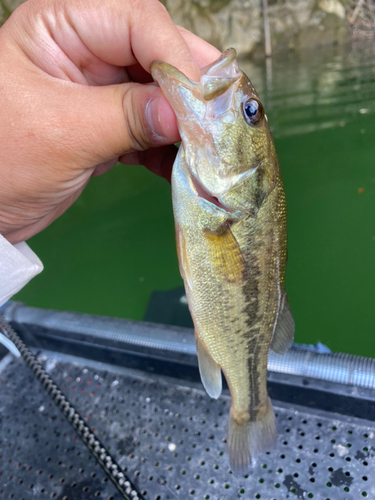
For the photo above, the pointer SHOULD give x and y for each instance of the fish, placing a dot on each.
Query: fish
(231, 232)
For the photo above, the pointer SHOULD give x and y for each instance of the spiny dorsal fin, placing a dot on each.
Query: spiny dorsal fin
(210, 372)
(284, 331)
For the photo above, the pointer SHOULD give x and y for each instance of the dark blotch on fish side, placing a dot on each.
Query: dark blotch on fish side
(251, 291)
(291, 484)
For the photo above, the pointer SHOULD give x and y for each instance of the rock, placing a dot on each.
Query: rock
(244, 30)
(295, 24)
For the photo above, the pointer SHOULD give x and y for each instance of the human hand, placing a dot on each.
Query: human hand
(76, 98)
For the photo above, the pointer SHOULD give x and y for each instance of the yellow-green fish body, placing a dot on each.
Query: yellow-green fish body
(230, 215)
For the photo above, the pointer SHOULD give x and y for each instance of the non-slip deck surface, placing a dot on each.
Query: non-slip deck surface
(169, 438)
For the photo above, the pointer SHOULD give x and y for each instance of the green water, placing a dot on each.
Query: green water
(115, 246)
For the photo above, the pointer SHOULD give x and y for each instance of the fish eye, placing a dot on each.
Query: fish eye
(253, 111)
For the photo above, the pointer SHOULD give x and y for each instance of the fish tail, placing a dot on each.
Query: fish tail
(246, 439)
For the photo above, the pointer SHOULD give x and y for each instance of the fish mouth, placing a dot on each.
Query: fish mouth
(216, 78)
(164, 72)
(226, 58)
(162, 68)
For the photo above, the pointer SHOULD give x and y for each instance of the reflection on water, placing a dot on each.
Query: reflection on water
(327, 89)
(116, 246)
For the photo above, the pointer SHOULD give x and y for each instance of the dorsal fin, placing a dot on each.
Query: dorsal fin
(284, 330)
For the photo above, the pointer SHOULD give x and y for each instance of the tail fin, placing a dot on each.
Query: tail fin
(247, 440)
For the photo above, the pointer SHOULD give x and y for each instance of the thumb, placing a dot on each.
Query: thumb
(115, 120)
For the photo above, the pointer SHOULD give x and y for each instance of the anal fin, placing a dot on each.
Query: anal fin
(284, 330)
(210, 371)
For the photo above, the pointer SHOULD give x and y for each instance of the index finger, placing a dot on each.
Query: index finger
(92, 41)
(203, 52)
(123, 33)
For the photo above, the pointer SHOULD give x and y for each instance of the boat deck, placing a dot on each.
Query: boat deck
(169, 437)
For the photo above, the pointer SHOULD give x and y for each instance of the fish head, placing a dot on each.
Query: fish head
(225, 135)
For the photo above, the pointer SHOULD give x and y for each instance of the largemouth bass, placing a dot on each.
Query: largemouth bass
(230, 216)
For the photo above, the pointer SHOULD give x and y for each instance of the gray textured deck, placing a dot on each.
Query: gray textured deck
(170, 439)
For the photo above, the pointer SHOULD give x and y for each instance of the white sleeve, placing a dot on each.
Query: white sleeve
(18, 264)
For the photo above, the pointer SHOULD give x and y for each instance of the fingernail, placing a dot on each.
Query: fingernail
(162, 121)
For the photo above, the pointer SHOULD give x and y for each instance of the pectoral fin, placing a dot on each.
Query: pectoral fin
(225, 255)
(284, 330)
(210, 371)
